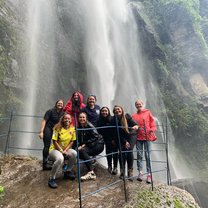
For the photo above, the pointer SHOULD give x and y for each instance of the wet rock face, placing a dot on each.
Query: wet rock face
(25, 185)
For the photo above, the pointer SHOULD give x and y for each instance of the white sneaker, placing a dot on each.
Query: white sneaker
(89, 176)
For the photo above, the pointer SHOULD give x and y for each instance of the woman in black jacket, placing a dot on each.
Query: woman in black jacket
(124, 138)
(90, 143)
(105, 120)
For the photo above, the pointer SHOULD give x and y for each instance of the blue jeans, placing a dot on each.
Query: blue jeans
(143, 146)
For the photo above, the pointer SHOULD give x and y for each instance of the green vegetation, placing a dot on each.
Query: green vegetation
(181, 32)
(160, 197)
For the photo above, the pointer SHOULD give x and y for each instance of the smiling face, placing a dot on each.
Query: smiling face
(59, 104)
(82, 119)
(76, 96)
(66, 120)
(118, 110)
(91, 101)
(104, 112)
(139, 105)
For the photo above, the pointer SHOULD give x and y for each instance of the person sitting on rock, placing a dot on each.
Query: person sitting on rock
(90, 143)
(64, 135)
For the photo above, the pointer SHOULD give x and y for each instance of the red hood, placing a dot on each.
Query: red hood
(68, 106)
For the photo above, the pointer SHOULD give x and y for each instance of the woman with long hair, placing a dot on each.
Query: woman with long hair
(123, 138)
(63, 138)
(111, 148)
(74, 105)
(90, 143)
(51, 118)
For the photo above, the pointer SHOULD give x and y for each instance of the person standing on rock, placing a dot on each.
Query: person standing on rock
(74, 105)
(110, 147)
(145, 135)
(63, 138)
(51, 118)
(92, 110)
(124, 138)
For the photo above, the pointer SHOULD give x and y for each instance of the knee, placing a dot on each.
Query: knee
(72, 153)
(60, 160)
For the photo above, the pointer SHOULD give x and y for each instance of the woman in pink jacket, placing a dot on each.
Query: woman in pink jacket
(74, 105)
(147, 126)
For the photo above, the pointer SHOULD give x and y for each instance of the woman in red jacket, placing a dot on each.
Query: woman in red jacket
(147, 125)
(74, 105)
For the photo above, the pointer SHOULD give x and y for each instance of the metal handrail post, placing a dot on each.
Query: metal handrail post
(8, 135)
(78, 164)
(165, 141)
(168, 167)
(122, 162)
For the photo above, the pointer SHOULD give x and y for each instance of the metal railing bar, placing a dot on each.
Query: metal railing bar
(3, 135)
(24, 148)
(22, 115)
(29, 132)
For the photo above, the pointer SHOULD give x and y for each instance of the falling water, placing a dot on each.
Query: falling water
(114, 68)
(105, 33)
(39, 66)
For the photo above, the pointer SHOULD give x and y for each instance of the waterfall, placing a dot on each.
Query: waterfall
(100, 36)
(114, 66)
(39, 67)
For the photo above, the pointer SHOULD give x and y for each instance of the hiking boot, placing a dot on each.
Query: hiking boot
(52, 183)
(115, 171)
(110, 169)
(89, 176)
(140, 177)
(69, 175)
(130, 174)
(149, 179)
(47, 166)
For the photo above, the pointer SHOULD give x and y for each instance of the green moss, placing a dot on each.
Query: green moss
(178, 203)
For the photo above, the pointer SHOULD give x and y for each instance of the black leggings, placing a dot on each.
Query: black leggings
(109, 150)
(86, 152)
(47, 135)
(128, 156)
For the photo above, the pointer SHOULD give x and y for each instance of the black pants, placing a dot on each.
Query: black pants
(109, 150)
(127, 157)
(47, 135)
(86, 152)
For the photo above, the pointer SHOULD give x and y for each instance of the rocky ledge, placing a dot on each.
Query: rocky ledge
(25, 185)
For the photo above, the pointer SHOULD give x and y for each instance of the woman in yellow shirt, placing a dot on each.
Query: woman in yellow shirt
(63, 138)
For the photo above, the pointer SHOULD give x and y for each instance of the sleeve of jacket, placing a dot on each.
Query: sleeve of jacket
(131, 121)
(67, 107)
(94, 135)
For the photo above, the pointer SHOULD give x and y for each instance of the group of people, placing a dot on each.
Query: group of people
(96, 128)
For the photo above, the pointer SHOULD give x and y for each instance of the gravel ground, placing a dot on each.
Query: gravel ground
(25, 186)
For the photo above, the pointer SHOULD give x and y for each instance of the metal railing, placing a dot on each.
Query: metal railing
(163, 133)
